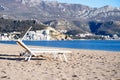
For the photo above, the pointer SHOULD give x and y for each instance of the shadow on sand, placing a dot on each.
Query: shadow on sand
(16, 57)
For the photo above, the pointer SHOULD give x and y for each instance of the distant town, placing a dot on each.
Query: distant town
(31, 35)
(45, 35)
(96, 37)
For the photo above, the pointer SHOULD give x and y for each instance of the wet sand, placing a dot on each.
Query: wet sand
(81, 65)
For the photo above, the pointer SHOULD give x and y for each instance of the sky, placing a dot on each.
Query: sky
(93, 3)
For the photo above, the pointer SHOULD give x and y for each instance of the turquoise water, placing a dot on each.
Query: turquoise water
(107, 45)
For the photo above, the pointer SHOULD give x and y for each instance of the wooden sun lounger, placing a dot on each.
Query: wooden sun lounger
(32, 52)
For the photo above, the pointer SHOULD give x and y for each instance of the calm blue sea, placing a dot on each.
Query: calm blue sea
(107, 45)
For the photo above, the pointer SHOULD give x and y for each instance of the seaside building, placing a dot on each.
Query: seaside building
(47, 34)
(14, 35)
(31, 35)
(84, 35)
(115, 36)
(4, 36)
(38, 35)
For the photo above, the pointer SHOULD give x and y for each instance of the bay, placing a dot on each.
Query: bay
(106, 45)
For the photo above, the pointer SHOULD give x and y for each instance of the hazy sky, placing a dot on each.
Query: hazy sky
(93, 3)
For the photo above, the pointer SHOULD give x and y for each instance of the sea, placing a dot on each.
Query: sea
(106, 45)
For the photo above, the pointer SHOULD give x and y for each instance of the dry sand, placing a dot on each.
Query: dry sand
(82, 65)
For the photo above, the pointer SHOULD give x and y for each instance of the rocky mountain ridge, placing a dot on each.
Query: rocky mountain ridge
(44, 10)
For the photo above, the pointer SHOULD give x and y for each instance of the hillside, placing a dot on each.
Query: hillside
(9, 25)
(94, 27)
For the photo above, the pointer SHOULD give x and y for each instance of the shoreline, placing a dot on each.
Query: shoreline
(81, 65)
(62, 48)
(85, 45)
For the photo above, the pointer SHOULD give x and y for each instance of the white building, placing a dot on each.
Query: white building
(38, 35)
(4, 36)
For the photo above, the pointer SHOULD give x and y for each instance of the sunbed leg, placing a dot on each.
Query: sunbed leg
(26, 58)
(65, 58)
(29, 57)
(25, 55)
(60, 57)
(55, 55)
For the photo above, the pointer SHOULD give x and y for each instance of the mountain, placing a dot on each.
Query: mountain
(75, 18)
(95, 27)
(46, 10)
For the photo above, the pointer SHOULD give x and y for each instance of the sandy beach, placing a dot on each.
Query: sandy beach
(81, 65)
